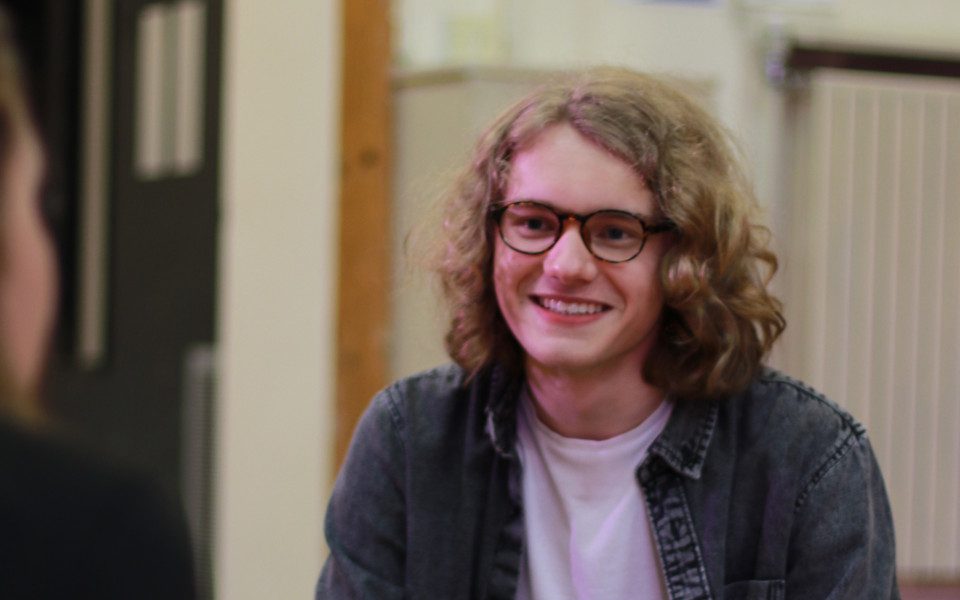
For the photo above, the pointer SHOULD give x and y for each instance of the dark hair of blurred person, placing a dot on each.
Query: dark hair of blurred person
(71, 526)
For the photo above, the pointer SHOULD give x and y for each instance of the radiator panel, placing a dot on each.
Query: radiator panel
(871, 282)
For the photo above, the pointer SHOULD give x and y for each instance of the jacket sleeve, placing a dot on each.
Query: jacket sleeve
(365, 522)
(842, 545)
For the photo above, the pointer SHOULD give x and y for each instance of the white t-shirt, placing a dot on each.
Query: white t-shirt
(586, 531)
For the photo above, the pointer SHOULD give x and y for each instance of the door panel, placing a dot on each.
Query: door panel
(160, 264)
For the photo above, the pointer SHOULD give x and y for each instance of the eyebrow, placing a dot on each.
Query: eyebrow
(647, 219)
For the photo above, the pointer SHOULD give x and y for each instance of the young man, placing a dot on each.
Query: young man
(608, 430)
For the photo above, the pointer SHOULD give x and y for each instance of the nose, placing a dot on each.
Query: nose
(569, 261)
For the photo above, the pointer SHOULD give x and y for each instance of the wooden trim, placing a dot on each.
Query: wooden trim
(930, 591)
(418, 78)
(364, 273)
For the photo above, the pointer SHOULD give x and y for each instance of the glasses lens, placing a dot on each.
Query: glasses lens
(529, 227)
(613, 235)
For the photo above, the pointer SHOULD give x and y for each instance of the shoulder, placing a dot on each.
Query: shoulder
(791, 423)
(433, 400)
(775, 400)
(814, 457)
(431, 389)
(434, 416)
(45, 465)
(66, 510)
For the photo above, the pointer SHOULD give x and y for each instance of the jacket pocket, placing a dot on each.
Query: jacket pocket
(771, 589)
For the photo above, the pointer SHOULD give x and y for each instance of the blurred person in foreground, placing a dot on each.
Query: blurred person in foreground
(70, 526)
(608, 429)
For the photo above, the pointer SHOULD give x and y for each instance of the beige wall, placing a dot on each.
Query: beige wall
(937, 20)
(720, 42)
(276, 303)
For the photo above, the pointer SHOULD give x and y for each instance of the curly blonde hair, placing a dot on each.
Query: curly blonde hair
(719, 319)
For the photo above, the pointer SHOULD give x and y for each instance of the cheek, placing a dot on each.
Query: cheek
(639, 284)
(514, 276)
(48, 266)
(650, 293)
(512, 272)
(501, 274)
(27, 300)
(651, 261)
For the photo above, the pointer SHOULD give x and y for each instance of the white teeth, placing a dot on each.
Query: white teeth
(570, 308)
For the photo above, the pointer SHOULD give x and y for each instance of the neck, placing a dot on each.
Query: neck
(595, 405)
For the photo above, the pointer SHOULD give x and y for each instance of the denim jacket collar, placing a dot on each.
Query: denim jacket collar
(684, 442)
(682, 445)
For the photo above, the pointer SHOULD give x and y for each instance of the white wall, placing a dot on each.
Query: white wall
(276, 304)
(937, 21)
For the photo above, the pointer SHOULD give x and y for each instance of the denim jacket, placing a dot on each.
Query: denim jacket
(772, 493)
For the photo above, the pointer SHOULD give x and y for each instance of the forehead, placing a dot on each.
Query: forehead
(562, 167)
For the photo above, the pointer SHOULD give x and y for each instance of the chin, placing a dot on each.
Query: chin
(562, 360)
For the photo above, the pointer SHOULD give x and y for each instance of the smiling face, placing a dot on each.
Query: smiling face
(568, 310)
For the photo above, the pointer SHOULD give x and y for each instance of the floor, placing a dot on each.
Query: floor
(916, 592)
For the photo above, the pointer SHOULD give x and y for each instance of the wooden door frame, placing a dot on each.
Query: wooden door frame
(365, 201)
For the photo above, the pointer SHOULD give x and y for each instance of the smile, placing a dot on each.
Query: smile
(570, 308)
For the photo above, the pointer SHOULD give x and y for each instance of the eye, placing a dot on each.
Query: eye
(534, 224)
(529, 220)
(615, 229)
(612, 234)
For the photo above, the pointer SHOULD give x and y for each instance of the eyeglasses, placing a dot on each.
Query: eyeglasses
(611, 235)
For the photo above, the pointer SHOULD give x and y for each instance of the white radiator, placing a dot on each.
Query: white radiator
(870, 246)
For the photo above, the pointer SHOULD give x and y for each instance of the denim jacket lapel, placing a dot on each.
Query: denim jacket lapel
(501, 411)
(679, 453)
